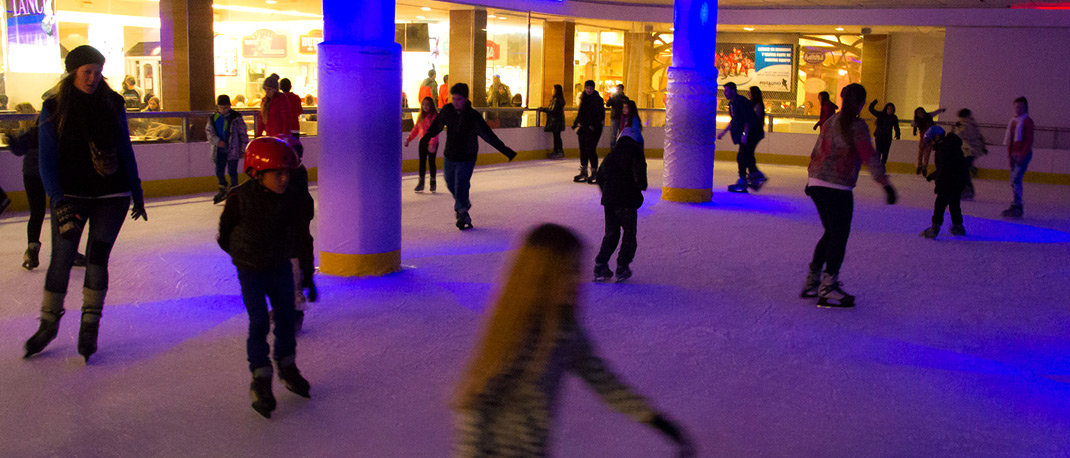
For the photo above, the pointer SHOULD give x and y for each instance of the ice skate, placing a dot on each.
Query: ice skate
(1014, 211)
(260, 393)
(811, 285)
(830, 293)
(88, 333)
(602, 273)
(592, 179)
(623, 273)
(931, 232)
(958, 230)
(46, 332)
(433, 187)
(464, 221)
(221, 195)
(291, 378)
(31, 259)
(419, 186)
(756, 180)
(739, 187)
(582, 177)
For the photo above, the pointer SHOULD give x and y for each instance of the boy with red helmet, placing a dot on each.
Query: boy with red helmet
(257, 230)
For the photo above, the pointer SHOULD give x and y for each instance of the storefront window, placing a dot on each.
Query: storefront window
(826, 63)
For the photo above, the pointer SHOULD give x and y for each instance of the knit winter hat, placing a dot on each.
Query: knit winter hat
(933, 132)
(82, 55)
(272, 81)
(223, 99)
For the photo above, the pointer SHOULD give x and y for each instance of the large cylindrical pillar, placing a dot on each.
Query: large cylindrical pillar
(360, 139)
(692, 89)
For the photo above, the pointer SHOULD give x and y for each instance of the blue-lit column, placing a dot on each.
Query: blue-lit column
(692, 91)
(360, 139)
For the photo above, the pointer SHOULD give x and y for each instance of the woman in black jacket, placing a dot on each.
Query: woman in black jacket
(555, 120)
(589, 124)
(887, 121)
(88, 170)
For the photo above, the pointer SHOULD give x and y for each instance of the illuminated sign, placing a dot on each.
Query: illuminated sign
(264, 43)
(306, 44)
(494, 50)
(32, 36)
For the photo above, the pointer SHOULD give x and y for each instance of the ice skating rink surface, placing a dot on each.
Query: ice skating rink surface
(958, 347)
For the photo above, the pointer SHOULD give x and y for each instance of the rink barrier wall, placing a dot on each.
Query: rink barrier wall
(171, 169)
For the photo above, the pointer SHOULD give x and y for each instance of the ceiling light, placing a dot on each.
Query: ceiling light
(843, 72)
(491, 16)
(749, 29)
(501, 17)
(425, 8)
(270, 2)
(249, 9)
(420, 17)
(839, 29)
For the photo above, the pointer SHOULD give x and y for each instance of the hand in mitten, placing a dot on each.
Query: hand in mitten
(891, 197)
(139, 211)
(313, 295)
(67, 218)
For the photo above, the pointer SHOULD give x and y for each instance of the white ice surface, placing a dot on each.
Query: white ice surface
(958, 347)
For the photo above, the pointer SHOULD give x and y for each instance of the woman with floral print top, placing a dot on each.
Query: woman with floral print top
(507, 396)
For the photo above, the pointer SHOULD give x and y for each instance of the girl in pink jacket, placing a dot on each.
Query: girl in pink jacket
(428, 155)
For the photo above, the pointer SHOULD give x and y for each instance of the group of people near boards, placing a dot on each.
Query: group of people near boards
(531, 336)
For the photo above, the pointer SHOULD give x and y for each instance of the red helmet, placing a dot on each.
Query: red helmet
(269, 153)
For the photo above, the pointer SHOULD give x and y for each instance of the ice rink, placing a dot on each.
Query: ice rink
(958, 347)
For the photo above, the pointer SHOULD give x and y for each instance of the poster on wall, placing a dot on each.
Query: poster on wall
(32, 36)
(306, 44)
(770, 67)
(226, 56)
(264, 43)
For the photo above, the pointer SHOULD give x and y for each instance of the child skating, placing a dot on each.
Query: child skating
(465, 127)
(256, 230)
(951, 175)
(428, 155)
(532, 337)
(622, 178)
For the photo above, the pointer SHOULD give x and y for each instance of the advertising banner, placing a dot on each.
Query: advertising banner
(264, 43)
(306, 44)
(770, 67)
(32, 36)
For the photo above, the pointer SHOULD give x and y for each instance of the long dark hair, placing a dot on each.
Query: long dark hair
(922, 116)
(423, 113)
(559, 92)
(62, 95)
(854, 98)
(633, 114)
(756, 97)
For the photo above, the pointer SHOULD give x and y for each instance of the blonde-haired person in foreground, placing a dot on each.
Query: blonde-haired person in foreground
(507, 394)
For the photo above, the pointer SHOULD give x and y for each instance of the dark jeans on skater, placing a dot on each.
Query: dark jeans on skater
(618, 219)
(231, 168)
(1018, 169)
(836, 208)
(951, 202)
(589, 147)
(104, 218)
(557, 141)
(458, 177)
(884, 146)
(277, 285)
(427, 159)
(35, 195)
(745, 159)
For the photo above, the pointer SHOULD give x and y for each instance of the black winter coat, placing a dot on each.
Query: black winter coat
(592, 115)
(555, 115)
(257, 226)
(885, 124)
(622, 175)
(25, 145)
(952, 171)
(466, 127)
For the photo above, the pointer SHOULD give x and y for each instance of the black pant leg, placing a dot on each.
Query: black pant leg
(954, 202)
(35, 194)
(611, 237)
(557, 141)
(423, 162)
(938, 209)
(836, 208)
(884, 146)
(628, 218)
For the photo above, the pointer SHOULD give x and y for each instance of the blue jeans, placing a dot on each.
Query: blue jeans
(231, 167)
(458, 177)
(1018, 169)
(104, 218)
(276, 284)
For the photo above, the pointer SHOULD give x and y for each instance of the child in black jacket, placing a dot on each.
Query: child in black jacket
(951, 175)
(622, 178)
(257, 230)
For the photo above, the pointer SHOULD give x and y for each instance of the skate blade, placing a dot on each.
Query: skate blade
(262, 409)
(825, 304)
(622, 280)
(806, 295)
(602, 279)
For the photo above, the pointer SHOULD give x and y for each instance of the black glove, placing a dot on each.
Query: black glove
(67, 218)
(684, 447)
(139, 211)
(312, 295)
(509, 153)
(892, 197)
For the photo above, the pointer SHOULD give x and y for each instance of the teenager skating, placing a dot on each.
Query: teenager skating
(256, 229)
(746, 132)
(465, 127)
(227, 136)
(588, 126)
(887, 122)
(622, 178)
(1019, 141)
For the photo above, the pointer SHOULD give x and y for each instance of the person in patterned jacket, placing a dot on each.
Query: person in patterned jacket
(507, 395)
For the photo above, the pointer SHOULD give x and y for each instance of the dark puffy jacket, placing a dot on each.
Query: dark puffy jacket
(257, 226)
(952, 171)
(466, 127)
(592, 113)
(555, 115)
(622, 175)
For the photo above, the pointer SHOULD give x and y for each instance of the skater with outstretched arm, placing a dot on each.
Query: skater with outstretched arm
(465, 126)
(257, 230)
(842, 146)
(531, 338)
(887, 122)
